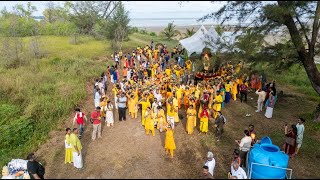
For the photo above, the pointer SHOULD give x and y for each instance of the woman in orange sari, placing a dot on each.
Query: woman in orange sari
(186, 98)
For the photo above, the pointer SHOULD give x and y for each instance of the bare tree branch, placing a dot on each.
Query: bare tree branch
(315, 28)
(114, 7)
(106, 9)
(303, 30)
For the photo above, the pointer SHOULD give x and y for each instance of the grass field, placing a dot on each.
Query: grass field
(36, 97)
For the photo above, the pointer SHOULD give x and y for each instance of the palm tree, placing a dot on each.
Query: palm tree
(189, 32)
(169, 32)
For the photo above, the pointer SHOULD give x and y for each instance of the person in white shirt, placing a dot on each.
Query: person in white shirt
(244, 146)
(157, 95)
(237, 172)
(155, 111)
(128, 74)
(300, 131)
(261, 98)
(211, 163)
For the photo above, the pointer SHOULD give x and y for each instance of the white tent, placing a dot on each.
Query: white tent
(211, 38)
(203, 38)
(195, 43)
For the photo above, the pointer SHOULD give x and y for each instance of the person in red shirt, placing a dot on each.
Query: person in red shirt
(96, 120)
(79, 118)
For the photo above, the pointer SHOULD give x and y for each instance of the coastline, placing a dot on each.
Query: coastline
(182, 29)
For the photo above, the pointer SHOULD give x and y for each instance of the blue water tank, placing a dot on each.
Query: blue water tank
(266, 153)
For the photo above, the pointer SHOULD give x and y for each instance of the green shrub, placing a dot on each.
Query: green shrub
(153, 34)
(142, 31)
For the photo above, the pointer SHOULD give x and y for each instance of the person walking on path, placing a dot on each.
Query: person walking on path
(169, 142)
(76, 149)
(97, 97)
(122, 106)
(291, 140)
(218, 124)
(243, 91)
(191, 117)
(244, 146)
(270, 105)
(300, 131)
(109, 114)
(96, 118)
(211, 163)
(68, 156)
(80, 118)
(262, 95)
(149, 125)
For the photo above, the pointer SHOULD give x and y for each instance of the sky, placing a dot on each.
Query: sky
(145, 9)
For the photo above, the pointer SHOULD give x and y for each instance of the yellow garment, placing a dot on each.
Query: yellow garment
(136, 95)
(170, 111)
(75, 142)
(68, 157)
(176, 107)
(115, 91)
(228, 87)
(197, 93)
(149, 123)
(177, 72)
(191, 117)
(132, 103)
(168, 72)
(144, 104)
(238, 68)
(234, 90)
(161, 119)
(169, 142)
(204, 124)
(217, 105)
(103, 104)
(153, 72)
(179, 92)
(188, 64)
(169, 94)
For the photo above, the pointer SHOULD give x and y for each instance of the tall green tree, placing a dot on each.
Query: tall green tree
(118, 26)
(301, 18)
(170, 31)
(87, 13)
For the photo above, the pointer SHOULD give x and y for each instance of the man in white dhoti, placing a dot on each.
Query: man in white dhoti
(76, 149)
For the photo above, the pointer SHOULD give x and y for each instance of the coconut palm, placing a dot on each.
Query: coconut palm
(189, 32)
(169, 32)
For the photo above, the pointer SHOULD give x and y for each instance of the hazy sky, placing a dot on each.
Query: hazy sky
(146, 9)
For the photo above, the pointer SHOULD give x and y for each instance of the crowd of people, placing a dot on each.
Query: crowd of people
(146, 81)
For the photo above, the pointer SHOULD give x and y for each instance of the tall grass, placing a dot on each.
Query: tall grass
(37, 96)
(295, 77)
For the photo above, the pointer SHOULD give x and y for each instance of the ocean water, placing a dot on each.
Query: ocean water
(157, 22)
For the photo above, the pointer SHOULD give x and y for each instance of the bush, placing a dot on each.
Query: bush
(142, 31)
(153, 34)
(133, 30)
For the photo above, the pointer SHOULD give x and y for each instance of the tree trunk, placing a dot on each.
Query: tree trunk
(307, 58)
(317, 114)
